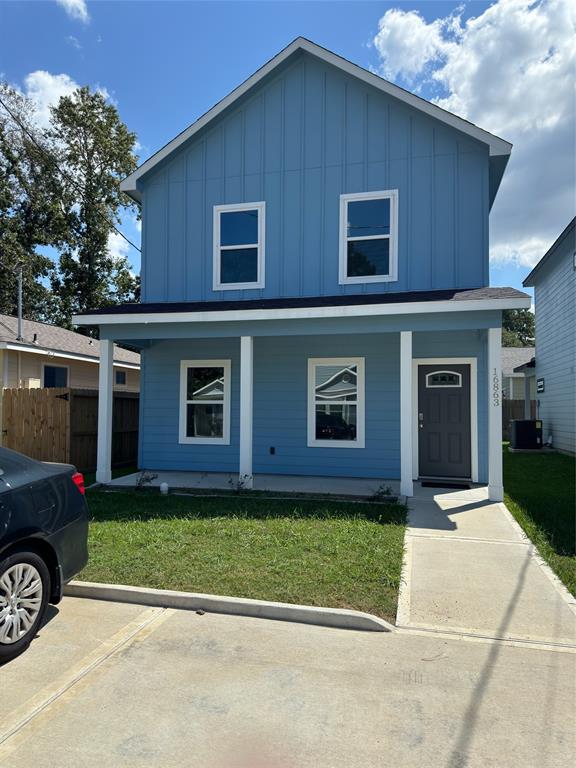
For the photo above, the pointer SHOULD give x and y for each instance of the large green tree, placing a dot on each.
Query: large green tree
(32, 207)
(518, 328)
(96, 150)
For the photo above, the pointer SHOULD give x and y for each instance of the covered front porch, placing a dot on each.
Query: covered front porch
(268, 445)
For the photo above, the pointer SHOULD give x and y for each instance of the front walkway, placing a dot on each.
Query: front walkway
(470, 569)
(226, 481)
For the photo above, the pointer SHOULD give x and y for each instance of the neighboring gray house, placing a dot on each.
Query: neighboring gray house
(512, 380)
(554, 283)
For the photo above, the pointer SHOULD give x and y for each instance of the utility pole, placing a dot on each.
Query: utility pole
(20, 337)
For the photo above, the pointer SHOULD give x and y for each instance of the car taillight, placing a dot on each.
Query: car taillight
(78, 480)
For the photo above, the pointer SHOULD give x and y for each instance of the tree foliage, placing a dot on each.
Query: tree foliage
(32, 209)
(518, 328)
(97, 151)
(61, 188)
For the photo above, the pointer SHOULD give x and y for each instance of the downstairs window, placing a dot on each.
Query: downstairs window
(336, 402)
(205, 401)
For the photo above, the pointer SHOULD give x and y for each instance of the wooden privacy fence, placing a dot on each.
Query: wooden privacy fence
(61, 424)
(514, 409)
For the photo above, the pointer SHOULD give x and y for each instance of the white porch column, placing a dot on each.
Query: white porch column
(105, 403)
(527, 408)
(246, 408)
(406, 483)
(495, 480)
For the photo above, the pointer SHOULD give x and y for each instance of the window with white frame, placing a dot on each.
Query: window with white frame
(369, 237)
(121, 378)
(336, 402)
(205, 401)
(239, 246)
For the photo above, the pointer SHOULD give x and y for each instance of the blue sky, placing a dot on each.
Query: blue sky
(165, 63)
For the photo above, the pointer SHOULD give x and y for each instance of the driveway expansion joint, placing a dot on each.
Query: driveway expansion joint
(46, 699)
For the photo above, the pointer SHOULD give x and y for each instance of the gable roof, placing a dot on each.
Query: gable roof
(550, 253)
(41, 337)
(499, 148)
(512, 357)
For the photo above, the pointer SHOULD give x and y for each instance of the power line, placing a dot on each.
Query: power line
(62, 172)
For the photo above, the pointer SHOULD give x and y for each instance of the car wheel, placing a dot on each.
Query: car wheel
(24, 591)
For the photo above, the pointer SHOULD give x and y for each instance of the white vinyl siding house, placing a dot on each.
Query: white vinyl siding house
(554, 282)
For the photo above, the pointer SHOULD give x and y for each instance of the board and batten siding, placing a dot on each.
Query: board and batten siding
(555, 307)
(299, 141)
(280, 403)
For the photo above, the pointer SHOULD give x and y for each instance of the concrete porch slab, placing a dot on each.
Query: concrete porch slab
(226, 481)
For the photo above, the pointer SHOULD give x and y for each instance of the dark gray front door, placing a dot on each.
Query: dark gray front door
(444, 420)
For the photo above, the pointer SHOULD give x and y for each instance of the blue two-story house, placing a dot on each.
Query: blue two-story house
(315, 296)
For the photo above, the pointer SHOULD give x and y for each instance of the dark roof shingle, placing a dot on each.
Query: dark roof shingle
(474, 294)
(51, 337)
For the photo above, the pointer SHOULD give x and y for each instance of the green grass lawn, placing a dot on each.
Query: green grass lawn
(326, 553)
(540, 492)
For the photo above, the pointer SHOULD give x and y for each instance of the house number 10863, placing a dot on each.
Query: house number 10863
(495, 388)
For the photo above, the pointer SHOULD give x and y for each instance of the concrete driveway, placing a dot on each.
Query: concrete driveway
(108, 684)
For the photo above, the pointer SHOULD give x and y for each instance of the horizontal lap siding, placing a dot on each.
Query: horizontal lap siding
(280, 407)
(555, 302)
(159, 446)
(280, 403)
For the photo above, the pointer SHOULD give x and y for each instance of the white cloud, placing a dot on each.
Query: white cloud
(74, 42)
(521, 253)
(76, 9)
(511, 71)
(45, 90)
(118, 248)
(407, 44)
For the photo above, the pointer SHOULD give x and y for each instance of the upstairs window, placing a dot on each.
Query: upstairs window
(368, 237)
(239, 246)
(205, 402)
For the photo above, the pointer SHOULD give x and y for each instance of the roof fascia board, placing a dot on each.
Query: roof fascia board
(497, 145)
(62, 355)
(306, 313)
(528, 281)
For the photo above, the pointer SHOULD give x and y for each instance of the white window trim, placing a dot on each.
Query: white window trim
(260, 246)
(360, 402)
(183, 438)
(444, 386)
(54, 365)
(389, 194)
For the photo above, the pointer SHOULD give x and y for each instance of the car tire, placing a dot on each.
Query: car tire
(24, 593)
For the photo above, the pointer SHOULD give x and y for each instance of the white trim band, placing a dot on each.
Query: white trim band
(64, 355)
(306, 313)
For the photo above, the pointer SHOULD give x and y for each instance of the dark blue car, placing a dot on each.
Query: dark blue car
(43, 542)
